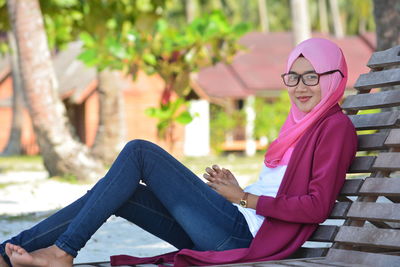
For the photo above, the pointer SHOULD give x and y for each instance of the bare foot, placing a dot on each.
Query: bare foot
(3, 263)
(47, 257)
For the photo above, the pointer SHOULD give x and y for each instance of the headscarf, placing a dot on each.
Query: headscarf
(324, 56)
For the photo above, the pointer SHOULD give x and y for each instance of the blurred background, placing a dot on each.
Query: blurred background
(201, 78)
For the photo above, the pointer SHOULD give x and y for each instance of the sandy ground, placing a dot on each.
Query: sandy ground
(33, 193)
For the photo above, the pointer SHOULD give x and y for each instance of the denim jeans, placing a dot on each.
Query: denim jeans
(174, 205)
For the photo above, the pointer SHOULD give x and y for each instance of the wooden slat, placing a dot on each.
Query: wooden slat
(257, 264)
(380, 187)
(339, 211)
(369, 236)
(376, 141)
(325, 262)
(309, 253)
(381, 212)
(99, 264)
(387, 161)
(383, 99)
(237, 265)
(378, 79)
(304, 263)
(320, 261)
(251, 264)
(368, 259)
(362, 164)
(351, 187)
(372, 121)
(393, 139)
(324, 233)
(386, 58)
(278, 263)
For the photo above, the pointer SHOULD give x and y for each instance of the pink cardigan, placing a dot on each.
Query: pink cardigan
(313, 179)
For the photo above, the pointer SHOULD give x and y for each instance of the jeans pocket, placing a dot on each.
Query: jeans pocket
(233, 242)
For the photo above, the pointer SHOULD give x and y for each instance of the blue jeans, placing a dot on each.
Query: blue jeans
(174, 205)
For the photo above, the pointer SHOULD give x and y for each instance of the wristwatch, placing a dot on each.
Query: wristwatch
(243, 201)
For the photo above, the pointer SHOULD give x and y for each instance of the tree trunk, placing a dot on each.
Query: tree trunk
(323, 16)
(191, 10)
(387, 20)
(263, 14)
(337, 21)
(110, 135)
(14, 141)
(62, 153)
(300, 20)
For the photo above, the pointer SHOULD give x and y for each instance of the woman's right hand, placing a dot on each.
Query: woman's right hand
(214, 174)
(224, 182)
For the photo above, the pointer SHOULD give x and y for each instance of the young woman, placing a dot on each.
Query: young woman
(219, 222)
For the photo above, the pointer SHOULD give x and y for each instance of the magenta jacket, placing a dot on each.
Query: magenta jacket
(312, 181)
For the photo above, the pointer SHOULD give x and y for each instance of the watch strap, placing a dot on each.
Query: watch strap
(243, 201)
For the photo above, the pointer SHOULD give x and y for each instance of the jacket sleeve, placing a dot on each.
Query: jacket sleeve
(332, 157)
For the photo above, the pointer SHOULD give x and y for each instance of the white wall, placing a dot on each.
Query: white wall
(197, 133)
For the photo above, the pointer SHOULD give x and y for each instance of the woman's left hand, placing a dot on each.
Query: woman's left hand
(226, 185)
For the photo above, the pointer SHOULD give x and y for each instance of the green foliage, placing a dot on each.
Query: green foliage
(271, 116)
(171, 52)
(173, 111)
(356, 13)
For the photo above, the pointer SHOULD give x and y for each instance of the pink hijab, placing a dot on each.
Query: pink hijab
(323, 55)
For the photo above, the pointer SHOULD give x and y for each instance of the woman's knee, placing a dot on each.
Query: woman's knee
(137, 143)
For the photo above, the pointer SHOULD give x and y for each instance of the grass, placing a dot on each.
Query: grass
(4, 185)
(35, 216)
(21, 163)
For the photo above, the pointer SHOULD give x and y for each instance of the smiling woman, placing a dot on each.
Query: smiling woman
(304, 96)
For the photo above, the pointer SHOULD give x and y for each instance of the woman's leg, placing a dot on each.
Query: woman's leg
(190, 201)
(211, 222)
(143, 204)
(46, 232)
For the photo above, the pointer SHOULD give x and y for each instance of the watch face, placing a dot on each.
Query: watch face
(243, 203)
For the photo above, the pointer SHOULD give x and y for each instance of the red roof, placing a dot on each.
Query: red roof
(257, 69)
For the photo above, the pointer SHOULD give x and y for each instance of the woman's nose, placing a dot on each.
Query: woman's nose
(301, 86)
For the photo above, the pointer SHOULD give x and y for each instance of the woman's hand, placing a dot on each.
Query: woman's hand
(224, 182)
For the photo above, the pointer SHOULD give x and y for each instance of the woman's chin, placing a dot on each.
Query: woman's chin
(306, 106)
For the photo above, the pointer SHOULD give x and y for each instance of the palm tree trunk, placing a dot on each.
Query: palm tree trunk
(337, 22)
(110, 135)
(387, 20)
(263, 14)
(14, 141)
(62, 153)
(191, 10)
(300, 20)
(323, 16)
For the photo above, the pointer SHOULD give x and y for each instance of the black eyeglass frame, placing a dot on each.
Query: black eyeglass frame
(301, 76)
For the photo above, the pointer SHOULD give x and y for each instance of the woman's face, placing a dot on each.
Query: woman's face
(305, 97)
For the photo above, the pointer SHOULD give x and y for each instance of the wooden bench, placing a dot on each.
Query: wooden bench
(364, 226)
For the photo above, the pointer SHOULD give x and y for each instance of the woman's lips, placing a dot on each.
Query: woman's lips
(303, 98)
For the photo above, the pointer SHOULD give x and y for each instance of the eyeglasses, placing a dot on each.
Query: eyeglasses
(309, 79)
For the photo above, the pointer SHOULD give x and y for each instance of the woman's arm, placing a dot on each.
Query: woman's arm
(225, 183)
(332, 157)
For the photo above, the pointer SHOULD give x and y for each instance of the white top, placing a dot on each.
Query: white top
(267, 185)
